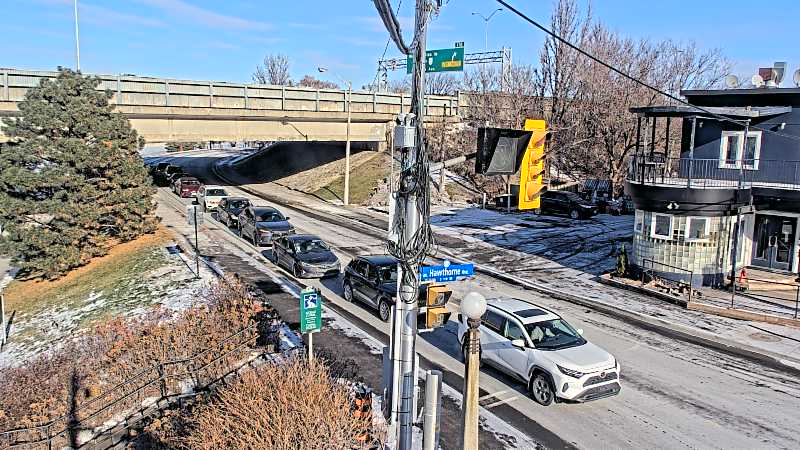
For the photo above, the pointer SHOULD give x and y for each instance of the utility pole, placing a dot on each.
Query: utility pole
(77, 41)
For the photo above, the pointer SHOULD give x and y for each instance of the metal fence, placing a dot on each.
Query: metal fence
(714, 173)
(163, 380)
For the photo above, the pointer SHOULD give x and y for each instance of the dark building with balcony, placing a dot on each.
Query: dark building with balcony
(737, 172)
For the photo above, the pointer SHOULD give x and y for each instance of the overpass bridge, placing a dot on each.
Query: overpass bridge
(169, 110)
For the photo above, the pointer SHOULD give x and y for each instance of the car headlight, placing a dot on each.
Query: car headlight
(569, 372)
(265, 232)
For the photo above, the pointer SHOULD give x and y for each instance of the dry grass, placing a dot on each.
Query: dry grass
(25, 295)
(279, 407)
(83, 369)
(364, 178)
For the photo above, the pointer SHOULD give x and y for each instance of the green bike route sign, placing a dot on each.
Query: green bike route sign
(310, 310)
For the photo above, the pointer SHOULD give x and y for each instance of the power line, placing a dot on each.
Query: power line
(385, 49)
(634, 79)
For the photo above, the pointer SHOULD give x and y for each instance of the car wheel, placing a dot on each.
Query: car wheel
(348, 291)
(384, 310)
(464, 354)
(541, 389)
(574, 214)
(538, 211)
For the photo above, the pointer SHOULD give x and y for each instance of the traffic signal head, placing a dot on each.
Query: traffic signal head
(500, 150)
(434, 312)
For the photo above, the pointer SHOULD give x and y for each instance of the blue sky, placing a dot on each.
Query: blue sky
(224, 40)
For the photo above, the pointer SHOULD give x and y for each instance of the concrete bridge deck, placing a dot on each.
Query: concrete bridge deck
(169, 110)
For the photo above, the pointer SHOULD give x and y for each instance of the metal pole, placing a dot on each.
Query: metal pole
(737, 225)
(347, 146)
(77, 41)
(470, 409)
(433, 400)
(196, 245)
(310, 347)
(508, 193)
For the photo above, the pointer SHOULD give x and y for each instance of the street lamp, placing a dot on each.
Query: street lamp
(77, 41)
(473, 306)
(486, 26)
(349, 84)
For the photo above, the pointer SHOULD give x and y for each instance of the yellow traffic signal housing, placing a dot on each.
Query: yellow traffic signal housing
(433, 312)
(531, 182)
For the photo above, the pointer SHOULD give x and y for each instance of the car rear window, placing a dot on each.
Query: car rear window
(190, 182)
(238, 204)
(216, 192)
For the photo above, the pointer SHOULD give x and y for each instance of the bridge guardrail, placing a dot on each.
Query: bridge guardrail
(132, 90)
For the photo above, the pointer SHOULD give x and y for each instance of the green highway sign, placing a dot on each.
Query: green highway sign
(310, 310)
(443, 60)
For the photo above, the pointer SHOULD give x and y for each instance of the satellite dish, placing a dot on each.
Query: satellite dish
(732, 81)
(757, 80)
(797, 77)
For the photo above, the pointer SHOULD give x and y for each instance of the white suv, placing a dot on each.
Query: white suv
(540, 348)
(209, 196)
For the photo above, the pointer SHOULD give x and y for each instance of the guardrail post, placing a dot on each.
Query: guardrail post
(245, 97)
(210, 95)
(119, 88)
(283, 98)
(163, 380)
(5, 86)
(317, 101)
(166, 93)
(374, 102)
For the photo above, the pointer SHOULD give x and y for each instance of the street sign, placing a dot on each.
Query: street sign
(192, 212)
(443, 60)
(310, 310)
(672, 205)
(445, 272)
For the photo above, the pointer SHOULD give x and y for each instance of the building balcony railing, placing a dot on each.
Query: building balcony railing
(655, 169)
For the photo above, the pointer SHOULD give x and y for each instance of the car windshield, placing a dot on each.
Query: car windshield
(270, 216)
(310, 245)
(216, 192)
(574, 197)
(238, 204)
(388, 273)
(553, 335)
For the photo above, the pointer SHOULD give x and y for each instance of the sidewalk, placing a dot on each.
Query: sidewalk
(770, 344)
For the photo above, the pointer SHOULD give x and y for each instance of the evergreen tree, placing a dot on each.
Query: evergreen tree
(72, 182)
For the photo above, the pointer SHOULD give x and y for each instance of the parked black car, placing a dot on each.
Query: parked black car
(305, 255)
(372, 280)
(564, 202)
(229, 209)
(165, 176)
(158, 168)
(263, 224)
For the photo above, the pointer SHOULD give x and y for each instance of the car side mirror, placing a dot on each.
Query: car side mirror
(580, 331)
(519, 343)
(286, 218)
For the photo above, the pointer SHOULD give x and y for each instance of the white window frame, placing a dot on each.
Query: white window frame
(739, 154)
(706, 229)
(638, 222)
(653, 221)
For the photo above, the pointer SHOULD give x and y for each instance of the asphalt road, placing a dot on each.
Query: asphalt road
(674, 395)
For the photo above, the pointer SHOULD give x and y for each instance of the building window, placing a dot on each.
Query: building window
(735, 153)
(697, 229)
(661, 226)
(638, 222)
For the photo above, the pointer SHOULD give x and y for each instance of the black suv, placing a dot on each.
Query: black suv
(372, 280)
(564, 202)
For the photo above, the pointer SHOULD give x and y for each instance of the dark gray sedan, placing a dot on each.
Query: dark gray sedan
(262, 225)
(305, 255)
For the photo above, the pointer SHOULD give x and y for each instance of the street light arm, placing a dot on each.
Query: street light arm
(494, 12)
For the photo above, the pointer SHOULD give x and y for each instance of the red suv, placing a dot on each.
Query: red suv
(186, 186)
